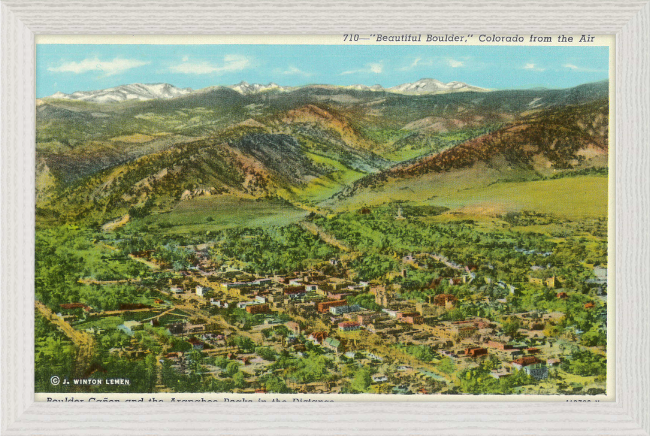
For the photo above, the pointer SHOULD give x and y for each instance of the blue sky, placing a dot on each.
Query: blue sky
(68, 68)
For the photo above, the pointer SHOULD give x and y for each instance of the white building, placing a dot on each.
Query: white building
(537, 370)
(339, 310)
(531, 366)
(218, 303)
(391, 313)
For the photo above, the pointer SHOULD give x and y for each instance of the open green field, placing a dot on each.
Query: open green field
(403, 154)
(570, 197)
(220, 212)
(105, 323)
(416, 150)
(575, 197)
(100, 261)
(324, 187)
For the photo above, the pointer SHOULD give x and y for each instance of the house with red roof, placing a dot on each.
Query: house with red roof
(317, 338)
(532, 366)
(476, 352)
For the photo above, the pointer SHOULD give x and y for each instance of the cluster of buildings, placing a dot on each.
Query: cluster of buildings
(322, 312)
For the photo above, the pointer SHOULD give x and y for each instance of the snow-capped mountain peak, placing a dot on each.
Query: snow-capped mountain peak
(433, 86)
(244, 87)
(135, 91)
(422, 86)
(366, 87)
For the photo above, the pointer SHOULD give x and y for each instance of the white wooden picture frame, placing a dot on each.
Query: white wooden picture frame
(628, 415)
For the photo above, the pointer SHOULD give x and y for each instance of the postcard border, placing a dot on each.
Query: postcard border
(628, 415)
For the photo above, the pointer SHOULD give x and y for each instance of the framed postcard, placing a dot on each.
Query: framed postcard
(406, 227)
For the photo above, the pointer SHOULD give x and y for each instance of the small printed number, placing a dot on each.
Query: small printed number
(350, 37)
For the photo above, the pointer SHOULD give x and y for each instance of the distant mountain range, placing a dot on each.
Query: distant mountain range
(317, 146)
(161, 91)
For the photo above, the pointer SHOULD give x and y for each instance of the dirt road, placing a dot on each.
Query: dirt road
(84, 342)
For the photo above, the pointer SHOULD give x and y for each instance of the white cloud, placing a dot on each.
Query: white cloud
(375, 67)
(454, 63)
(110, 68)
(230, 63)
(417, 62)
(533, 67)
(294, 71)
(574, 67)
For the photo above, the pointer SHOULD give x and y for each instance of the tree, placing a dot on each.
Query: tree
(239, 380)
(267, 353)
(232, 368)
(361, 380)
(511, 327)
(221, 362)
(447, 366)
(275, 384)
(169, 374)
(244, 344)
(151, 372)
(383, 388)
(195, 360)
(585, 363)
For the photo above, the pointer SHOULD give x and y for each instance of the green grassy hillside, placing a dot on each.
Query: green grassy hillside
(571, 140)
